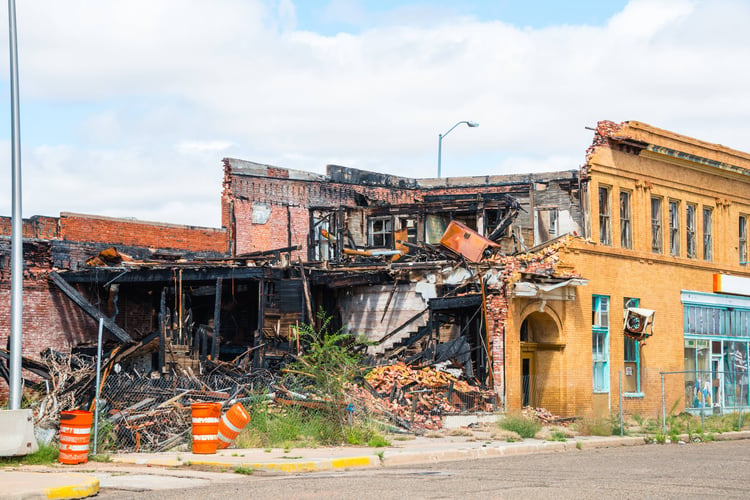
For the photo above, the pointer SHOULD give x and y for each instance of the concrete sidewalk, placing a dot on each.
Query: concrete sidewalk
(412, 451)
(79, 481)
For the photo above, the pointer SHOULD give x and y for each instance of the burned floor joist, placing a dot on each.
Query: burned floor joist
(88, 308)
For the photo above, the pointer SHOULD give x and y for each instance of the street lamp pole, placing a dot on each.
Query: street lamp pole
(16, 273)
(440, 140)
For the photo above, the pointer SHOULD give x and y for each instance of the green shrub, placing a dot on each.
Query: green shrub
(524, 427)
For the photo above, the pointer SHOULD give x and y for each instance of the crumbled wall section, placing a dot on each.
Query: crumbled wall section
(250, 186)
(38, 226)
(50, 319)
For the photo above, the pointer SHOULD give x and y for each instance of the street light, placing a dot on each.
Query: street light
(440, 139)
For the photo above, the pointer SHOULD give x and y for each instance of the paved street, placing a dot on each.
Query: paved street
(716, 470)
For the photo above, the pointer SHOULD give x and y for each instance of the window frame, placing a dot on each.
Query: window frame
(386, 232)
(708, 244)
(635, 347)
(657, 225)
(600, 343)
(626, 230)
(691, 230)
(605, 215)
(674, 228)
(742, 239)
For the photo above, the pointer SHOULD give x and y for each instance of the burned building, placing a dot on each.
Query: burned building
(512, 282)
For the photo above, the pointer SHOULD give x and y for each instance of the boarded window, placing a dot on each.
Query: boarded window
(708, 244)
(743, 240)
(690, 231)
(656, 232)
(605, 215)
(626, 238)
(674, 228)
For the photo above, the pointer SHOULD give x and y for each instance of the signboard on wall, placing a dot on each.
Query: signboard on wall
(736, 285)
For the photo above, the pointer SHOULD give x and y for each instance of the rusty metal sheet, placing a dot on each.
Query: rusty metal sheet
(465, 241)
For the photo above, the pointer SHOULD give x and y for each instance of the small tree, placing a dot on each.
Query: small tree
(330, 362)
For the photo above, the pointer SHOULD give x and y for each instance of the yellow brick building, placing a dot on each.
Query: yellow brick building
(664, 216)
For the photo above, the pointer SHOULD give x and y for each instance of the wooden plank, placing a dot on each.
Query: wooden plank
(88, 308)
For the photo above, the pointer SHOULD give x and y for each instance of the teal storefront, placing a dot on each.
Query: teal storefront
(717, 339)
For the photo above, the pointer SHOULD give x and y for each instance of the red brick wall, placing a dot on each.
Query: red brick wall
(50, 319)
(76, 227)
(38, 226)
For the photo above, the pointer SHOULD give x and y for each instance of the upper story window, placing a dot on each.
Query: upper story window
(656, 222)
(708, 244)
(674, 228)
(380, 232)
(605, 216)
(626, 234)
(545, 224)
(743, 240)
(690, 231)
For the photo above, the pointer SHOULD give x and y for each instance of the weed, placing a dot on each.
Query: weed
(557, 436)
(524, 427)
(378, 441)
(595, 427)
(292, 458)
(47, 454)
(380, 455)
(244, 470)
(579, 445)
(433, 435)
(460, 432)
(100, 458)
(660, 438)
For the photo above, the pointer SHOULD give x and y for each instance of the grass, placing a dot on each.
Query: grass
(524, 427)
(244, 470)
(291, 427)
(378, 441)
(597, 426)
(46, 455)
(557, 436)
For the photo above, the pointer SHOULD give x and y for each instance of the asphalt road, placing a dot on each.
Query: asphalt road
(706, 470)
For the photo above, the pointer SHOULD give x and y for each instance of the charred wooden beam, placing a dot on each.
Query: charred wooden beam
(166, 274)
(88, 308)
(459, 302)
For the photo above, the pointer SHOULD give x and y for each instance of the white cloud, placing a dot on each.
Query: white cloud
(175, 85)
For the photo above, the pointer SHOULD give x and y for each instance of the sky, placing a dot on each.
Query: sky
(128, 108)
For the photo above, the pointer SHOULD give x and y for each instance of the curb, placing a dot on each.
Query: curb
(395, 457)
(288, 467)
(49, 485)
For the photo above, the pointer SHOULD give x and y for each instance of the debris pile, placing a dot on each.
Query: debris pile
(546, 417)
(417, 397)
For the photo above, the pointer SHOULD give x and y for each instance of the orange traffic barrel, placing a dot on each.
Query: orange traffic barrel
(75, 431)
(205, 426)
(231, 424)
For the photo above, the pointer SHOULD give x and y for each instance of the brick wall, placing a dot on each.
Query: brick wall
(37, 226)
(77, 227)
(50, 319)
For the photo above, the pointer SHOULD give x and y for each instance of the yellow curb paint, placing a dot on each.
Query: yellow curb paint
(82, 490)
(338, 463)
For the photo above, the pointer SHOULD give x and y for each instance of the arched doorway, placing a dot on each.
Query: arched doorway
(540, 346)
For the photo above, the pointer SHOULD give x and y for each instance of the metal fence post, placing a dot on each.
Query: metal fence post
(98, 378)
(663, 408)
(619, 376)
